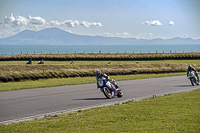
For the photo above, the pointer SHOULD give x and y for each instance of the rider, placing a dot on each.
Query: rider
(41, 62)
(29, 62)
(104, 81)
(190, 68)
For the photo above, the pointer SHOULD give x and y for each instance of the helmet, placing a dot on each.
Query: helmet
(98, 72)
(189, 67)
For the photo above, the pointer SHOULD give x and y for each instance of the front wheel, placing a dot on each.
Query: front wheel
(192, 80)
(107, 92)
(119, 93)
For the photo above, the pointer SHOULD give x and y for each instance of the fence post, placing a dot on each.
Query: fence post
(21, 52)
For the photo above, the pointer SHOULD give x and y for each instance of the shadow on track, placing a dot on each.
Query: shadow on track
(91, 99)
(183, 85)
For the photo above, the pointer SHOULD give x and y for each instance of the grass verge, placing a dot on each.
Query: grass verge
(170, 113)
(73, 81)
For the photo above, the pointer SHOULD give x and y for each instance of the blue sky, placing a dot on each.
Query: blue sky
(142, 19)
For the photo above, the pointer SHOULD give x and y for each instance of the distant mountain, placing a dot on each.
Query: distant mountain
(55, 36)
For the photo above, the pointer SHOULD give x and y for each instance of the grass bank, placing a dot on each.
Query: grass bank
(19, 71)
(170, 113)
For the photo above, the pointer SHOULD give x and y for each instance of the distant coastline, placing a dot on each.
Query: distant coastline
(68, 49)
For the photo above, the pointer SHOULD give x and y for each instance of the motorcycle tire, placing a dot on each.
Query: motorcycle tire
(120, 94)
(192, 81)
(107, 93)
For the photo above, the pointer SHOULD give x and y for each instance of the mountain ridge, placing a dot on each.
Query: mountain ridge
(56, 36)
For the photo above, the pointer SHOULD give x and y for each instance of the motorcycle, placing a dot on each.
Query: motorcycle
(107, 92)
(193, 78)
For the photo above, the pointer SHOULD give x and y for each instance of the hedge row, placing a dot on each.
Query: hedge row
(103, 56)
(63, 75)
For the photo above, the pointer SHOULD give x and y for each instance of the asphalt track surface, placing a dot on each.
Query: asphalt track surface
(27, 104)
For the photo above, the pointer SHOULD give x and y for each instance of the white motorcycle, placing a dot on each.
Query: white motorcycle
(193, 78)
(107, 92)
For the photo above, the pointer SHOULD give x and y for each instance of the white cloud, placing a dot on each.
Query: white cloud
(106, 34)
(152, 23)
(55, 23)
(171, 23)
(91, 24)
(20, 21)
(126, 35)
(14, 24)
(76, 23)
(36, 20)
(71, 23)
(9, 19)
(123, 35)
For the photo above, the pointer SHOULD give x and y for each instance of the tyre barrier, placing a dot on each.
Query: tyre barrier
(133, 58)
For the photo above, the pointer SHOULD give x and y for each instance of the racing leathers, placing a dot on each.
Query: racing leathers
(104, 81)
(195, 71)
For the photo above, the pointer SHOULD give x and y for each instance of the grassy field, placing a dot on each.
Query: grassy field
(11, 69)
(170, 113)
(54, 69)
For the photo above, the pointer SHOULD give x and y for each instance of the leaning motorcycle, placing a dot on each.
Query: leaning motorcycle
(193, 78)
(107, 92)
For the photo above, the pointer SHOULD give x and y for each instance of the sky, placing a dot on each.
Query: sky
(141, 19)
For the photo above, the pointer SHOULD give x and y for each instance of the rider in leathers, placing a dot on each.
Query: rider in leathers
(104, 81)
(190, 68)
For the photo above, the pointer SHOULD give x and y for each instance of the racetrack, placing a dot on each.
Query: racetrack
(31, 103)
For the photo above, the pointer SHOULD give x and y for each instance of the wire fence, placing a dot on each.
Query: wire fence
(83, 52)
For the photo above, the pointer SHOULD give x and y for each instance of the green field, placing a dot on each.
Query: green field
(170, 113)
(53, 69)
(19, 69)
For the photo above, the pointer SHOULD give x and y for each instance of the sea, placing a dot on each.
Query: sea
(76, 49)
